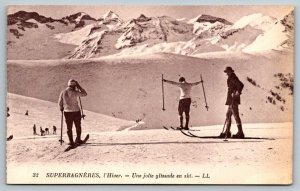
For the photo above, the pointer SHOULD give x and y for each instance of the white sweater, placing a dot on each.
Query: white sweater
(68, 99)
(185, 88)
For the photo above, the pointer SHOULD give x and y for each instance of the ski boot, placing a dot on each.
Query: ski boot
(240, 133)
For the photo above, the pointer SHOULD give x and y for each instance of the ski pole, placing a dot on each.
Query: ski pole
(226, 130)
(204, 92)
(224, 125)
(163, 92)
(227, 118)
(82, 115)
(61, 129)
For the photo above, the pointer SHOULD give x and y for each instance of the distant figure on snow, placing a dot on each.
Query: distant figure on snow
(26, 113)
(184, 99)
(10, 138)
(34, 130)
(68, 103)
(235, 87)
(42, 131)
(54, 130)
(47, 131)
(7, 115)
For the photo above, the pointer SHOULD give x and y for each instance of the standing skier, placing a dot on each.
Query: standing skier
(184, 99)
(235, 87)
(68, 104)
(34, 129)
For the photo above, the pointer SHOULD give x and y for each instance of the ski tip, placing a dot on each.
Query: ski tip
(86, 138)
(69, 148)
(165, 128)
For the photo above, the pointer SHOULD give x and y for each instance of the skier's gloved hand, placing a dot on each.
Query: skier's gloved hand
(237, 94)
(61, 109)
(78, 86)
(164, 80)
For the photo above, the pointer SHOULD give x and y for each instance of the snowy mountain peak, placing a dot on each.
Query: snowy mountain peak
(77, 17)
(256, 20)
(182, 19)
(23, 16)
(212, 19)
(193, 20)
(110, 35)
(143, 18)
(208, 18)
(288, 20)
(110, 15)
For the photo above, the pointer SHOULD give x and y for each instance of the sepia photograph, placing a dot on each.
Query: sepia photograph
(132, 94)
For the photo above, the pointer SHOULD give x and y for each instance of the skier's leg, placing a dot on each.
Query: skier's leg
(69, 122)
(228, 124)
(235, 111)
(77, 121)
(187, 113)
(180, 112)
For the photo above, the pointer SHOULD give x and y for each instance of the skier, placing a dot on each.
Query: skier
(235, 87)
(7, 115)
(42, 131)
(54, 130)
(69, 106)
(34, 130)
(184, 99)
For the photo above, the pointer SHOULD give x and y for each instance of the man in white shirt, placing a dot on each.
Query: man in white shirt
(68, 103)
(184, 99)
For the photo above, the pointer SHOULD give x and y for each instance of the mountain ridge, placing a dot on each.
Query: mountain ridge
(109, 34)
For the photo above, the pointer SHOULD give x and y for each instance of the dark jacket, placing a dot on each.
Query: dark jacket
(234, 85)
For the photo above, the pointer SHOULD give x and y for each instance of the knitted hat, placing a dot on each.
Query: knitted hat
(181, 79)
(71, 83)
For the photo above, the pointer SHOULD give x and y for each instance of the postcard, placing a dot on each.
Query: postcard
(115, 94)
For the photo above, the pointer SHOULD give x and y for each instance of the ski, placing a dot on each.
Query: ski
(85, 139)
(218, 137)
(177, 129)
(70, 148)
(181, 130)
(186, 134)
(190, 134)
(76, 145)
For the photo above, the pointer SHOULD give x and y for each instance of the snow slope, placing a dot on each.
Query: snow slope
(269, 40)
(143, 151)
(159, 151)
(131, 88)
(45, 114)
(74, 37)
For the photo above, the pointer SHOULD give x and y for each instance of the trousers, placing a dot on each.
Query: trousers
(73, 117)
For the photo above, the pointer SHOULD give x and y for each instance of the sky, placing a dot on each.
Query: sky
(231, 12)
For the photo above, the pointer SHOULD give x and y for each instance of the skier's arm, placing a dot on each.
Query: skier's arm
(60, 102)
(172, 82)
(195, 83)
(239, 86)
(81, 92)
